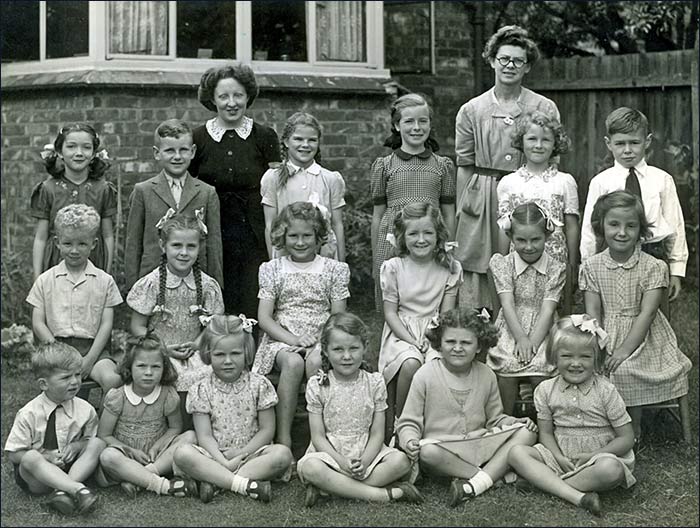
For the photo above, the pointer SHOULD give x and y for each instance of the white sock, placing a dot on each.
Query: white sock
(158, 485)
(480, 483)
(239, 485)
(152, 468)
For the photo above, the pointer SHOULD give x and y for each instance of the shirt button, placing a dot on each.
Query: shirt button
(230, 170)
(230, 153)
(508, 157)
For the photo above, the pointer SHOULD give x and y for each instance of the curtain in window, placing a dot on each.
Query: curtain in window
(138, 27)
(340, 31)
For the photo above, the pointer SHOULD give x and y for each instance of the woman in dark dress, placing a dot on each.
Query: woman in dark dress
(233, 152)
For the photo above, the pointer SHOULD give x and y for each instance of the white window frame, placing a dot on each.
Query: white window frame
(99, 57)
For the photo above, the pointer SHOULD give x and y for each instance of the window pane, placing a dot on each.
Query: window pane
(59, 17)
(138, 27)
(206, 30)
(407, 36)
(340, 31)
(279, 31)
(19, 31)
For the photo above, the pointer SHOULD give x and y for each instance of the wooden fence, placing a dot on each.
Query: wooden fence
(662, 85)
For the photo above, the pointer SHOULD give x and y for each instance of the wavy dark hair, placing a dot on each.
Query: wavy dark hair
(562, 143)
(409, 100)
(528, 213)
(295, 120)
(220, 326)
(626, 120)
(150, 341)
(564, 333)
(350, 324)
(305, 211)
(56, 168)
(210, 79)
(511, 36)
(470, 318)
(416, 211)
(606, 203)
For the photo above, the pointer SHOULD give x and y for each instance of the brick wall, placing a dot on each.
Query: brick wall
(354, 129)
(453, 82)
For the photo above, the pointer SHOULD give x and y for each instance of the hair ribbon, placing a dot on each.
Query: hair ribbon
(199, 215)
(315, 200)
(484, 315)
(322, 376)
(167, 216)
(451, 245)
(391, 238)
(247, 323)
(591, 326)
(434, 322)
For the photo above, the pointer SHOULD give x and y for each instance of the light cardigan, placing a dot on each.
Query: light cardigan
(432, 412)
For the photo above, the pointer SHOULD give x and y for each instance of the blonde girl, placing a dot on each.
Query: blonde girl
(346, 403)
(171, 300)
(585, 434)
(141, 423)
(234, 418)
(76, 171)
(300, 178)
(411, 173)
(419, 284)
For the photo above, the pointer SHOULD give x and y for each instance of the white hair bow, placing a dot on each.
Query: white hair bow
(247, 323)
(484, 315)
(167, 216)
(199, 215)
(591, 326)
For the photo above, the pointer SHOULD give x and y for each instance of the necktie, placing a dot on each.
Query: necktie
(50, 440)
(632, 184)
(176, 189)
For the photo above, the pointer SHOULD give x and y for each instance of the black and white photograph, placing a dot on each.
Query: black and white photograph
(349, 263)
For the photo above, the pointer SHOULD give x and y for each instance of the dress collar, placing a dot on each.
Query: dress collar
(314, 168)
(584, 387)
(406, 156)
(630, 263)
(49, 405)
(216, 132)
(548, 173)
(173, 281)
(540, 266)
(226, 387)
(135, 399)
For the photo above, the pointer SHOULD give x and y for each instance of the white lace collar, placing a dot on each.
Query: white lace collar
(540, 266)
(314, 169)
(173, 281)
(216, 132)
(135, 399)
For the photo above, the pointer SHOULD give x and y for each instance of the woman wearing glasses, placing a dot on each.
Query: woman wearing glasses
(485, 154)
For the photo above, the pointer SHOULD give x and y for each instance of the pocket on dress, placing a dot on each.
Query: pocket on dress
(473, 197)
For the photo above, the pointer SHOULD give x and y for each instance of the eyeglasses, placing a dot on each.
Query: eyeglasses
(517, 61)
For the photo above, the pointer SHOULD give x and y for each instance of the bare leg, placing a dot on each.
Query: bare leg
(508, 387)
(271, 463)
(313, 363)
(124, 469)
(390, 469)
(87, 461)
(403, 382)
(291, 367)
(498, 465)
(440, 461)
(636, 415)
(200, 467)
(164, 463)
(42, 476)
(605, 474)
(327, 479)
(105, 373)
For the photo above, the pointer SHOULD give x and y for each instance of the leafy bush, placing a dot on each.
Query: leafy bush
(16, 283)
(358, 243)
(17, 346)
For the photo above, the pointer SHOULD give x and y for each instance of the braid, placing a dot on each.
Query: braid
(326, 368)
(283, 174)
(197, 271)
(163, 271)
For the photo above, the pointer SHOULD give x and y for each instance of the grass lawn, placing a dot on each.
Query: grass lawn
(666, 493)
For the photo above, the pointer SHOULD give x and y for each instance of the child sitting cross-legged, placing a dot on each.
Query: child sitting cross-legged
(52, 443)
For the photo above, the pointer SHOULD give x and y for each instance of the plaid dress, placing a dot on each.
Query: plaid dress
(657, 370)
(400, 179)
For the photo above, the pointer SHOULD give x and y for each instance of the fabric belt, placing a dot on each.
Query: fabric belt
(494, 173)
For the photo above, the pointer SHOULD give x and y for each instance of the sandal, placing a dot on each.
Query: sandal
(259, 490)
(85, 499)
(206, 491)
(311, 496)
(410, 493)
(457, 493)
(62, 502)
(180, 487)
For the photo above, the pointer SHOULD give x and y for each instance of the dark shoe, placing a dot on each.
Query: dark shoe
(206, 492)
(311, 496)
(62, 502)
(180, 487)
(524, 485)
(259, 490)
(85, 499)
(591, 502)
(410, 493)
(129, 489)
(457, 493)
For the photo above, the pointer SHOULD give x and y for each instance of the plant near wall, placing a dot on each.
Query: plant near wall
(358, 242)
(16, 283)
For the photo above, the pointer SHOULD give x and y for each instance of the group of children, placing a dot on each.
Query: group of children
(189, 409)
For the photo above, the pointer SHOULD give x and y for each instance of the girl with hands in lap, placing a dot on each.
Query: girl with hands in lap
(346, 403)
(586, 435)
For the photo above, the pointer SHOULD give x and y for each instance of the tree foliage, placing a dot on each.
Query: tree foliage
(567, 28)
